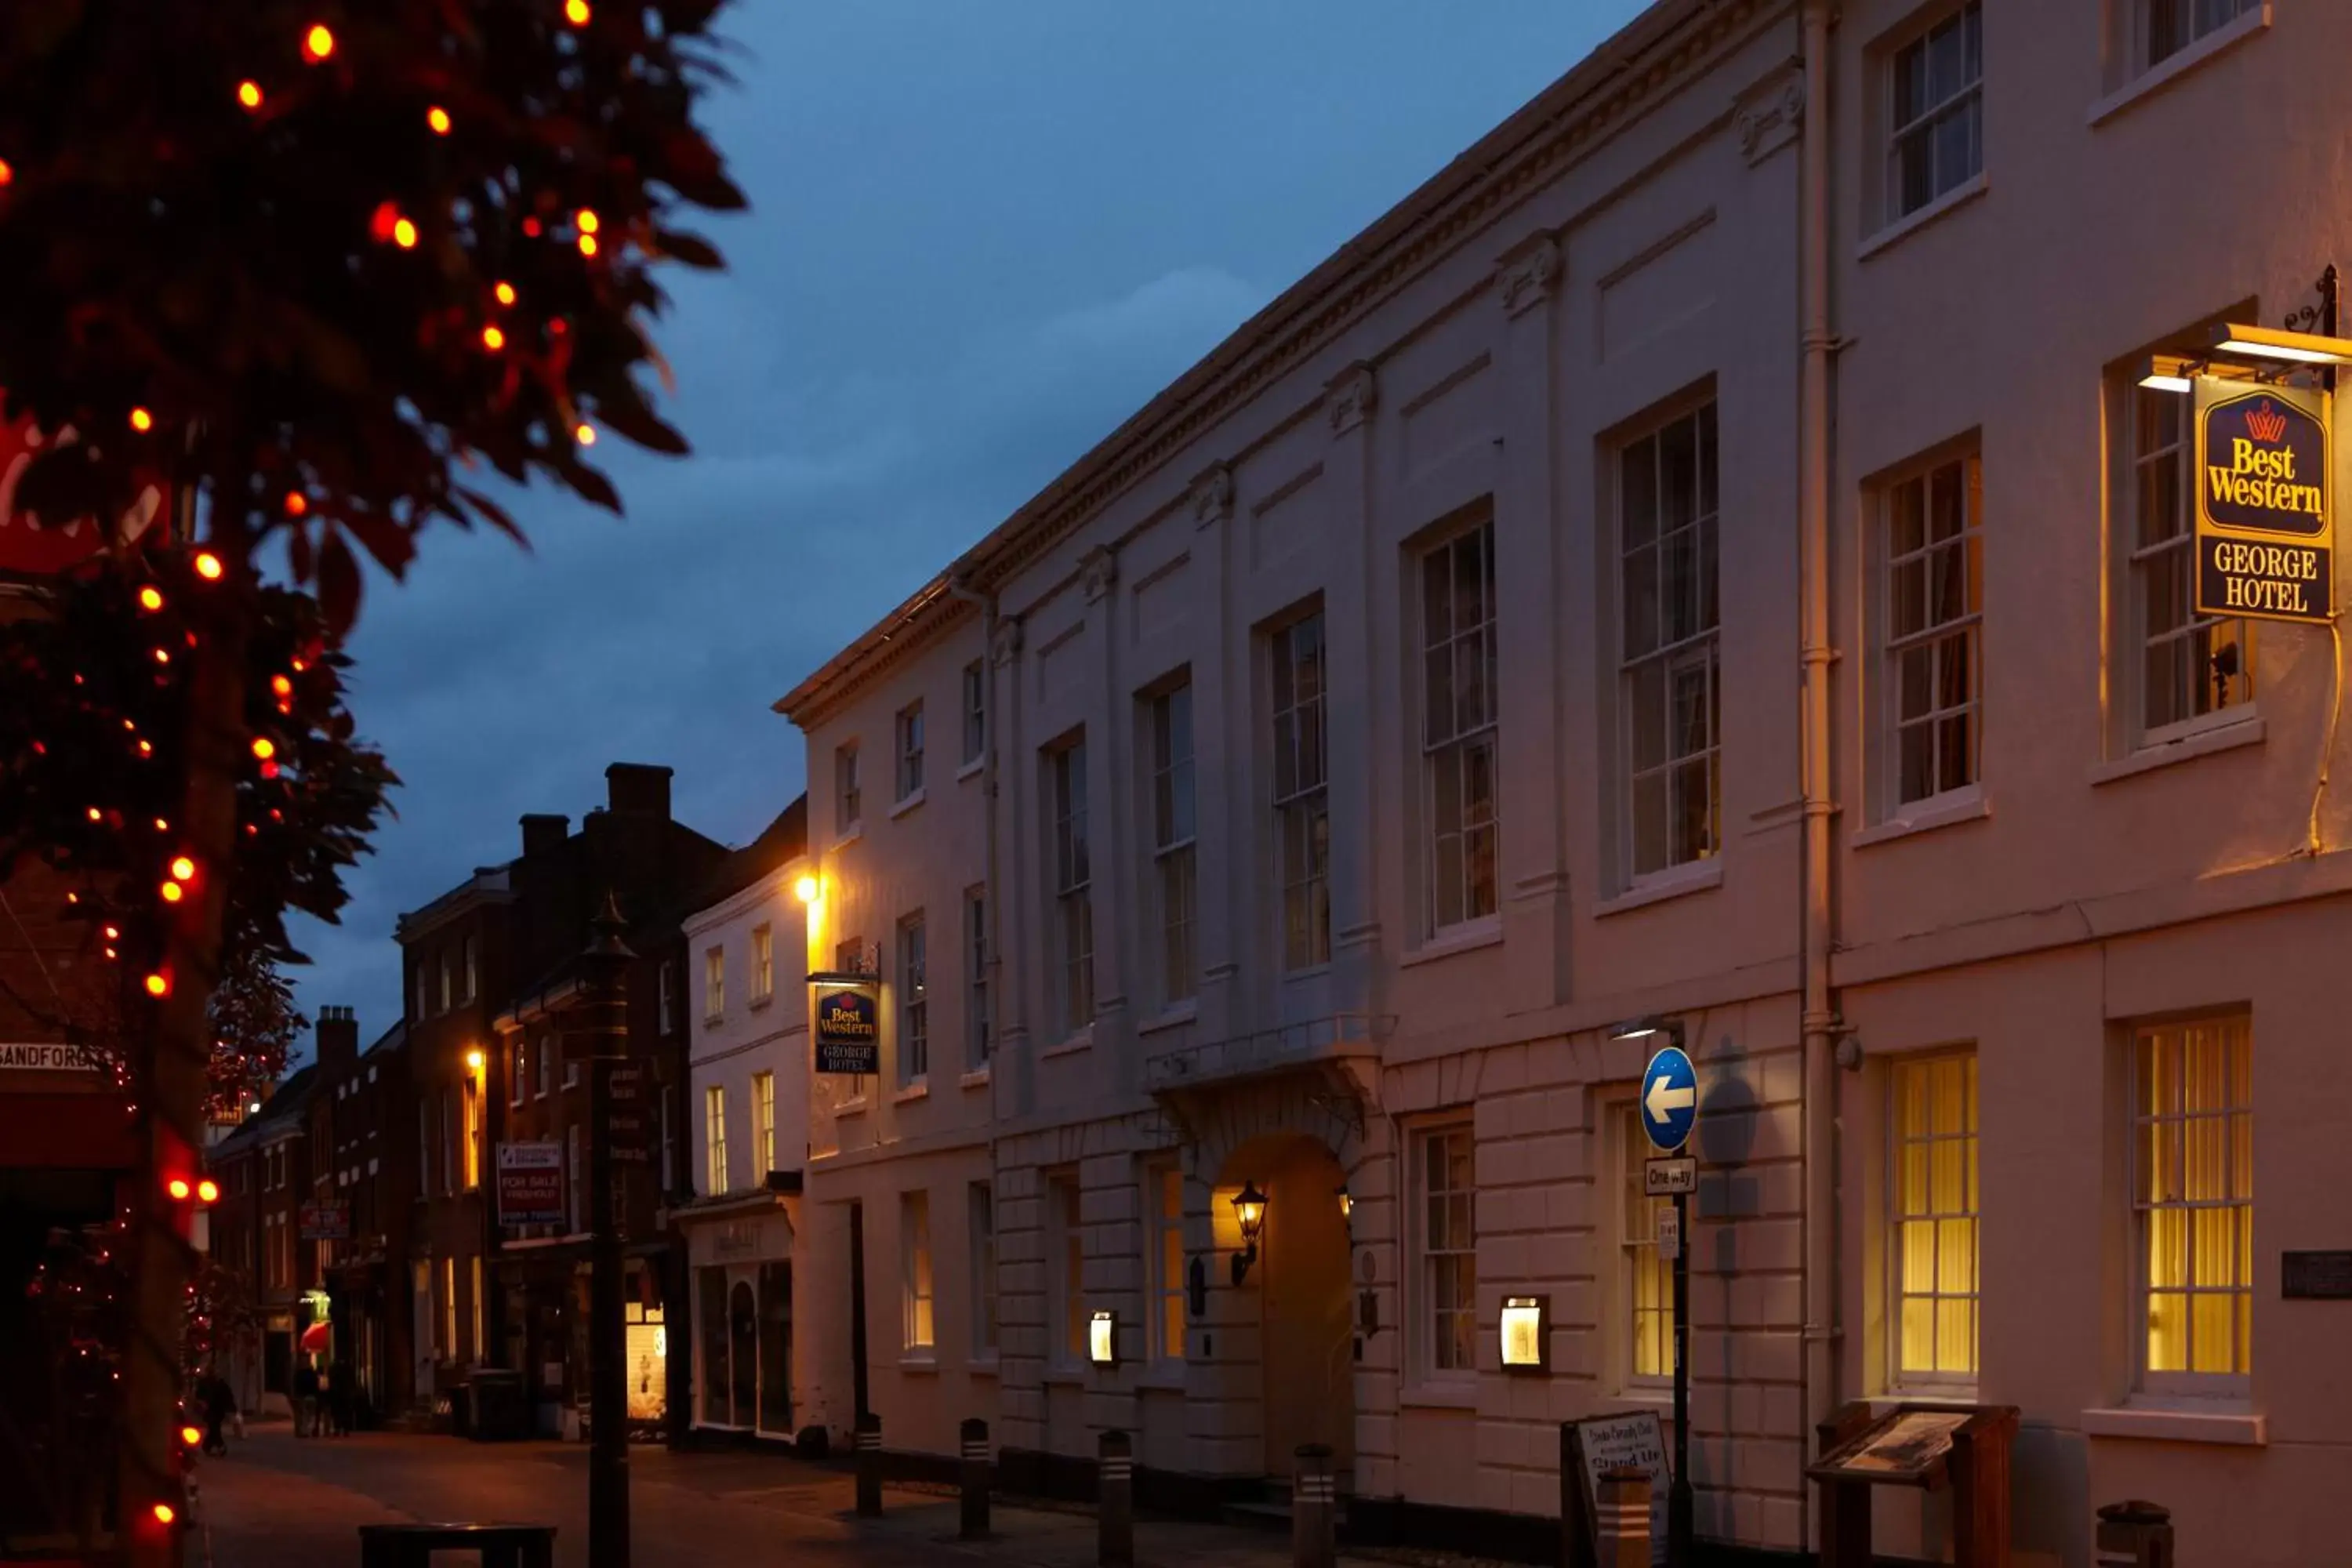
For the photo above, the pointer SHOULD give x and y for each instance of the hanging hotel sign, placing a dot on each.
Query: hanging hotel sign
(848, 1024)
(2266, 528)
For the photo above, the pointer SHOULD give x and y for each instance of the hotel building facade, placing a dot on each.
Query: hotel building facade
(1710, 552)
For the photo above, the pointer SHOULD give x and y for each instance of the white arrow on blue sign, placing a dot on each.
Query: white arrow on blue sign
(1669, 1099)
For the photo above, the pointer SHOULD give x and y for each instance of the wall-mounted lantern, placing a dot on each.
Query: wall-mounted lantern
(1348, 1209)
(1526, 1334)
(1102, 1338)
(1249, 1210)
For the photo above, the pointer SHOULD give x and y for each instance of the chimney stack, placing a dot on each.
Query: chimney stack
(338, 1040)
(542, 831)
(637, 788)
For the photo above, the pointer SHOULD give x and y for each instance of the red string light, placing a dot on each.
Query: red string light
(208, 566)
(506, 293)
(587, 245)
(248, 93)
(318, 43)
(404, 234)
(584, 433)
(7, 171)
(576, 12)
(151, 599)
(437, 118)
(493, 339)
(264, 747)
(142, 421)
(159, 985)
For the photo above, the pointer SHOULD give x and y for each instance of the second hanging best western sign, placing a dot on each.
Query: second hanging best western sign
(2266, 528)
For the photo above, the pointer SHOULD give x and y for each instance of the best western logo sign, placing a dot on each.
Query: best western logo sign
(2266, 531)
(848, 1029)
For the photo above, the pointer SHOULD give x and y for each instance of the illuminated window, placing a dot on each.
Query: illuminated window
(763, 964)
(1646, 1277)
(915, 1247)
(472, 1099)
(1302, 817)
(1937, 112)
(975, 711)
(2167, 27)
(1933, 699)
(479, 1349)
(1163, 1193)
(1933, 1247)
(1446, 1238)
(1072, 874)
(2182, 664)
(1172, 840)
(448, 1345)
(2192, 1202)
(714, 1141)
(1670, 676)
(914, 1001)
(1460, 704)
(763, 1119)
(714, 985)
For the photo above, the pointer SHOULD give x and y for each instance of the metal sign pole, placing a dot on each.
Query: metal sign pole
(1678, 1487)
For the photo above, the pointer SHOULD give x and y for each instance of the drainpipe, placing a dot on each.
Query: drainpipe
(1819, 342)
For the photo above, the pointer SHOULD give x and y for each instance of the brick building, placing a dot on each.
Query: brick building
(264, 1171)
(363, 1187)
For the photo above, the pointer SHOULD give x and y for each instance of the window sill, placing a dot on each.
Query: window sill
(920, 1361)
(921, 1089)
(1439, 1396)
(1904, 227)
(758, 1002)
(848, 1108)
(1456, 939)
(1164, 1378)
(2246, 731)
(1083, 1040)
(849, 835)
(2156, 78)
(1926, 816)
(906, 803)
(970, 770)
(1174, 1018)
(2219, 1423)
(976, 1078)
(1699, 877)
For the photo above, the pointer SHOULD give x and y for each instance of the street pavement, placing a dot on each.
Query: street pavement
(281, 1503)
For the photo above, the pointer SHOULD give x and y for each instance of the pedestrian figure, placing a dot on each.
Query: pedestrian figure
(306, 1398)
(219, 1404)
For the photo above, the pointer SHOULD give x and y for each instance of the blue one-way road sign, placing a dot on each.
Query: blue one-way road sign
(1669, 1099)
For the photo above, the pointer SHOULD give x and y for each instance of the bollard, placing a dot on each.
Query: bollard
(2134, 1534)
(1623, 1507)
(869, 1466)
(1115, 1500)
(975, 1481)
(1314, 1507)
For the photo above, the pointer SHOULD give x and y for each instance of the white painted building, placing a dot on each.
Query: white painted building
(1706, 552)
(747, 1108)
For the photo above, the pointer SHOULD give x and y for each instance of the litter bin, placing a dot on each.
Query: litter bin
(499, 1412)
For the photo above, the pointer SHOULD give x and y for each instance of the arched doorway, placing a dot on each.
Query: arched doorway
(1305, 1336)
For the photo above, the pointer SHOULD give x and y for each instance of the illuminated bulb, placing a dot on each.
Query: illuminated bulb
(7, 171)
(179, 1187)
(112, 932)
(474, 1060)
(151, 599)
(93, 814)
(183, 869)
(173, 892)
(584, 433)
(141, 420)
(191, 1436)
(493, 339)
(588, 221)
(318, 43)
(806, 888)
(504, 291)
(159, 985)
(530, 227)
(438, 119)
(576, 12)
(248, 93)
(163, 656)
(270, 770)
(146, 750)
(587, 245)
(281, 686)
(164, 1513)
(264, 747)
(404, 235)
(297, 503)
(161, 826)
(208, 566)
(207, 1190)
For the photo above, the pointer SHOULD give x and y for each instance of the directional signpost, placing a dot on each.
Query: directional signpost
(1669, 1103)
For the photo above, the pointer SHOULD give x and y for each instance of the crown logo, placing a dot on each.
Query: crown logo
(2266, 425)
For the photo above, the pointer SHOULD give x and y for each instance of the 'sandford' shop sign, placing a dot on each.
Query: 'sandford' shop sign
(2265, 530)
(848, 1029)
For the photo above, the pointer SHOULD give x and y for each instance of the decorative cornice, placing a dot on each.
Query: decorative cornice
(1098, 570)
(1768, 116)
(1007, 646)
(1213, 495)
(1527, 274)
(1352, 396)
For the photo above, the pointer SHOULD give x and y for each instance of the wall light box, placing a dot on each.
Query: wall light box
(1102, 1339)
(1526, 1334)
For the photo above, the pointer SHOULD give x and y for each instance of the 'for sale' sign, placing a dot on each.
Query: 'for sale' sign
(531, 1183)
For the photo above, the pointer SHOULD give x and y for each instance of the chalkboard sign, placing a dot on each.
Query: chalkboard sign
(2316, 1275)
(1606, 1443)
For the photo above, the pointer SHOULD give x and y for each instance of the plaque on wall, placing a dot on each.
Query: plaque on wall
(2316, 1275)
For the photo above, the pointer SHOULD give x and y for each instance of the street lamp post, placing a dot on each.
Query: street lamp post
(603, 1029)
